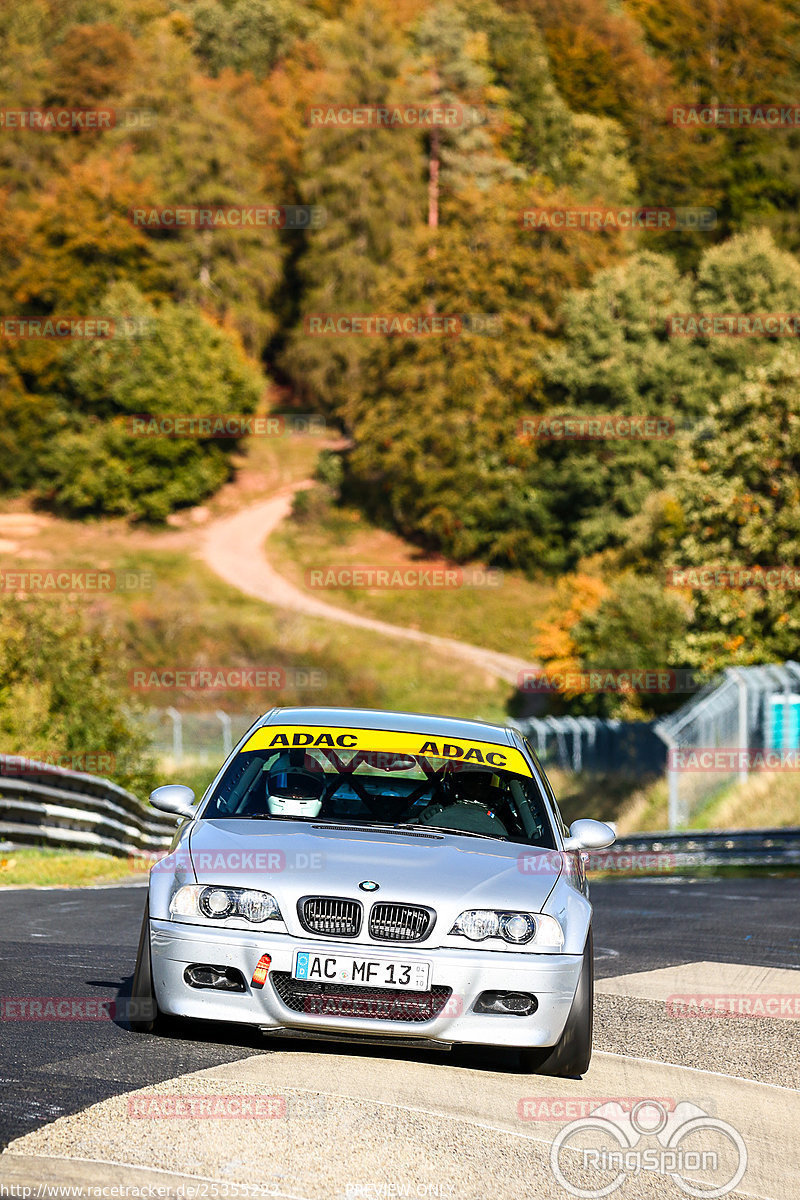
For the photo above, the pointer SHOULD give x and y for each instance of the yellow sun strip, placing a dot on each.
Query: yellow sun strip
(288, 737)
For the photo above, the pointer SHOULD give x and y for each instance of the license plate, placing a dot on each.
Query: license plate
(364, 972)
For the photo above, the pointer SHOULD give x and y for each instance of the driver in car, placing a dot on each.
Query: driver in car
(292, 790)
(474, 799)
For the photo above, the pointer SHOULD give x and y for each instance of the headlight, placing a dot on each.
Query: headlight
(217, 903)
(517, 928)
(477, 924)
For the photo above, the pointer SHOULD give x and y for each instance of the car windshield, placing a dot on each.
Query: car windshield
(382, 789)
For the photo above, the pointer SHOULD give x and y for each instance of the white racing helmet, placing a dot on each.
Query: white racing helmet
(293, 791)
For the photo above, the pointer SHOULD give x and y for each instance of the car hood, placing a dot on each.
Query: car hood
(292, 859)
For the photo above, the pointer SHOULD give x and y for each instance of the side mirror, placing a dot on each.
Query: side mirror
(174, 798)
(589, 835)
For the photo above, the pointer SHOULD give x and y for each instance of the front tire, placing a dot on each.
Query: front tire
(572, 1052)
(144, 1015)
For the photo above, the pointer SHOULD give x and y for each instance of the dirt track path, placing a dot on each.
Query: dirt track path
(233, 547)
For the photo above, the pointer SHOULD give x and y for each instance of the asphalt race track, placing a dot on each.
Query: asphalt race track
(371, 1119)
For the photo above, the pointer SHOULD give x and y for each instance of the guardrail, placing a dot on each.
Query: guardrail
(698, 848)
(49, 805)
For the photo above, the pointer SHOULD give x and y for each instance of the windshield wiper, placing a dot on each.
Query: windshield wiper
(493, 837)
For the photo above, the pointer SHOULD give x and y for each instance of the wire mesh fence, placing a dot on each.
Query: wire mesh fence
(596, 744)
(186, 738)
(747, 720)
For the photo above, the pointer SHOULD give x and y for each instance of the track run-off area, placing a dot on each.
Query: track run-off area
(87, 1104)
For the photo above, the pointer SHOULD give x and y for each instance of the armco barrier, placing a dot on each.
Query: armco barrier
(712, 848)
(44, 804)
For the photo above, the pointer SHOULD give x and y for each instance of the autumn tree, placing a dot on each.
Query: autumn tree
(371, 184)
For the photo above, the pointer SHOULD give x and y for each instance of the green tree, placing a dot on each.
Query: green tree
(638, 625)
(602, 65)
(618, 357)
(173, 363)
(245, 35)
(739, 53)
(437, 446)
(62, 692)
(201, 150)
(738, 485)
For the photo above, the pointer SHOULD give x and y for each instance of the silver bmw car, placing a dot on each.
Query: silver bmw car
(382, 876)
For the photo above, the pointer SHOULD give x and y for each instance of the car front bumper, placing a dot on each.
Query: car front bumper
(551, 978)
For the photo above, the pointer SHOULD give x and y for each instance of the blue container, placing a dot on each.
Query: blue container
(783, 734)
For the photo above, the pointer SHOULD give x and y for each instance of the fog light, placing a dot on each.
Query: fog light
(509, 1004)
(220, 979)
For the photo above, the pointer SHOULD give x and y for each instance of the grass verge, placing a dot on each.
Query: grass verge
(30, 866)
(498, 615)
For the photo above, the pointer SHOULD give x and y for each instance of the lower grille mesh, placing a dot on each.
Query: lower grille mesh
(345, 1000)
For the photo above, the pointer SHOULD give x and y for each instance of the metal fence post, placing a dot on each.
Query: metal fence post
(225, 721)
(673, 789)
(177, 733)
(743, 724)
